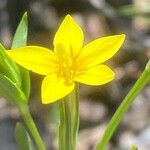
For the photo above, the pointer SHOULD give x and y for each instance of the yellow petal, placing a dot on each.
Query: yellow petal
(97, 75)
(37, 59)
(54, 88)
(70, 35)
(100, 50)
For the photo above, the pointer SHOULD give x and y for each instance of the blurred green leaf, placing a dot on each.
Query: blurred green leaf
(8, 67)
(19, 40)
(11, 92)
(133, 147)
(127, 10)
(23, 138)
(130, 11)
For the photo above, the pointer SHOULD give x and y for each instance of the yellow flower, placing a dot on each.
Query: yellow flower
(69, 62)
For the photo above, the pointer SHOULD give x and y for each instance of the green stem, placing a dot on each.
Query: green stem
(31, 126)
(126, 103)
(69, 121)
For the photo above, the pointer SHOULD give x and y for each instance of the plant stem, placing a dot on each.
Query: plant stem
(31, 126)
(69, 121)
(126, 103)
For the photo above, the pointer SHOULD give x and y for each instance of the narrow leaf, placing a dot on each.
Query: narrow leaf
(25, 81)
(19, 40)
(20, 37)
(8, 67)
(22, 137)
(10, 91)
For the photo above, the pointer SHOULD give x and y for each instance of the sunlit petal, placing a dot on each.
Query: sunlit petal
(97, 75)
(54, 88)
(37, 59)
(70, 35)
(100, 50)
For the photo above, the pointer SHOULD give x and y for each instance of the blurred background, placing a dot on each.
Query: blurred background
(97, 104)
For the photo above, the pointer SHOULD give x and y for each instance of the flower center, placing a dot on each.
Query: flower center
(66, 67)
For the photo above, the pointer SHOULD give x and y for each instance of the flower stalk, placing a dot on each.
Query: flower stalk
(124, 106)
(31, 126)
(69, 121)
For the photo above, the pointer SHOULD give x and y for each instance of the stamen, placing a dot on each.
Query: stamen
(65, 64)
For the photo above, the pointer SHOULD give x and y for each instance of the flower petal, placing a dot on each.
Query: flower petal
(38, 59)
(100, 50)
(97, 75)
(70, 35)
(54, 88)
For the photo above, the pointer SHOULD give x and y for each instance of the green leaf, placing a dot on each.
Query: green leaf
(22, 137)
(19, 40)
(133, 147)
(127, 10)
(25, 81)
(20, 37)
(11, 92)
(8, 67)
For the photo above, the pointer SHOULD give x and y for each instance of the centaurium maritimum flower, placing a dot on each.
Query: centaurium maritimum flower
(70, 61)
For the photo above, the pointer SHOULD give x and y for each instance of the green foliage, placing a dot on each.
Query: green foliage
(20, 37)
(148, 66)
(8, 67)
(25, 76)
(127, 10)
(69, 120)
(22, 137)
(10, 91)
(133, 147)
(130, 11)
(19, 40)
(10, 80)
(123, 107)
(15, 88)
(15, 82)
